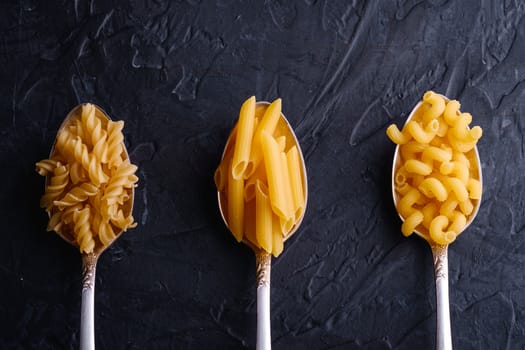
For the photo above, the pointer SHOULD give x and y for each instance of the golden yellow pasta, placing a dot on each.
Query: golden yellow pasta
(263, 217)
(438, 233)
(267, 124)
(435, 180)
(241, 156)
(275, 174)
(294, 166)
(264, 204)
(235, 190)
(89, 181)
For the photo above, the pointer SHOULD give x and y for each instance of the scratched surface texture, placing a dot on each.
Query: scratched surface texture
(177, 72)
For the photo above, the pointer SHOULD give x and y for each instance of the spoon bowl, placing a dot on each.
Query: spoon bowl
(263, 258)
(89, 260)
(476, 169)
(439, 251)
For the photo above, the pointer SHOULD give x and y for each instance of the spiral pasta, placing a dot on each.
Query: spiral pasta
(90, 181)
(435, 181)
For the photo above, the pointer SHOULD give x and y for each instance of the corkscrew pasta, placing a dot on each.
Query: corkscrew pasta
(263, 203)
(436, 179)
(90, 179)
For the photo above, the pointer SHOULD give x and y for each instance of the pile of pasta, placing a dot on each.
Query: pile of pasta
(260, 178)
(436, 178)
(90, 180)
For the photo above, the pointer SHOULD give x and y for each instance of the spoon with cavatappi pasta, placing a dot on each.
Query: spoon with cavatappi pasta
(89, 194)
(262, 192)
(437, 185)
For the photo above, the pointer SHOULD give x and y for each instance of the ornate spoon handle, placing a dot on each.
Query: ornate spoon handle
(87, 316)
(443, 334)
(263, 262)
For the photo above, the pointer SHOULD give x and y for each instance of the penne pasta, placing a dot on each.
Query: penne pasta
(296, 182)
(268, 124)
(241, 163)
(274, 173)
(277, 239)
(235, 206)
(263, 217)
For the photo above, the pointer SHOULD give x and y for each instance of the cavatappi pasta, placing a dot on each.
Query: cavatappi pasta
(260, 178)
(90, 177)
(436, 177)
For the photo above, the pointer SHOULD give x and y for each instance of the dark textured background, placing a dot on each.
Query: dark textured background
(177, 73)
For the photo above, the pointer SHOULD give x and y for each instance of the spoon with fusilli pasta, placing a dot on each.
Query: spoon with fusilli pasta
(89, 194)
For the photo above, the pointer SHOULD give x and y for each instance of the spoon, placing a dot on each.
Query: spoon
(263, 258)
(439, 252)
(89, 260)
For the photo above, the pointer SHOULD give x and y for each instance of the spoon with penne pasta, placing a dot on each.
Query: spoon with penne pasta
(437, 185)
(262, 192)
(89, 194)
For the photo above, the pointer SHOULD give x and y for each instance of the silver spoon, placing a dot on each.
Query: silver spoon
(262, 258)
(439, 252)
(89, 261)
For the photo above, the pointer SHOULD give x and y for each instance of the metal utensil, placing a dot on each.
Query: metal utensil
(262, 258)
(439, 252)
(89, 261)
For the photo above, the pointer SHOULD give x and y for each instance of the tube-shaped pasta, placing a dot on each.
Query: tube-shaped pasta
(404, 206)
(460, 129)
(466, 207)
(474, 188)
(287, 189)
(274, 173)
(443, 127)
(449, 206)
(432, 153)
(296, 180)
(451, 112)
(250, 222)
(433, 188)
(281, 142)
(417, 179)
(411, 222)
(429, 212)
(456, 168)
(458, 222)
(220, 177)
(461, 157)
(397, 136)
(435, 180)
(277, 239)
(461, 146)
(437, 106)
(417, 167)
(403, 188)
(437, 233)
(410, 149)
(249, 187)
(458, 188)
(235, 211)
(263, 217)
(420, 134)
(268, 124)
(241, 163)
